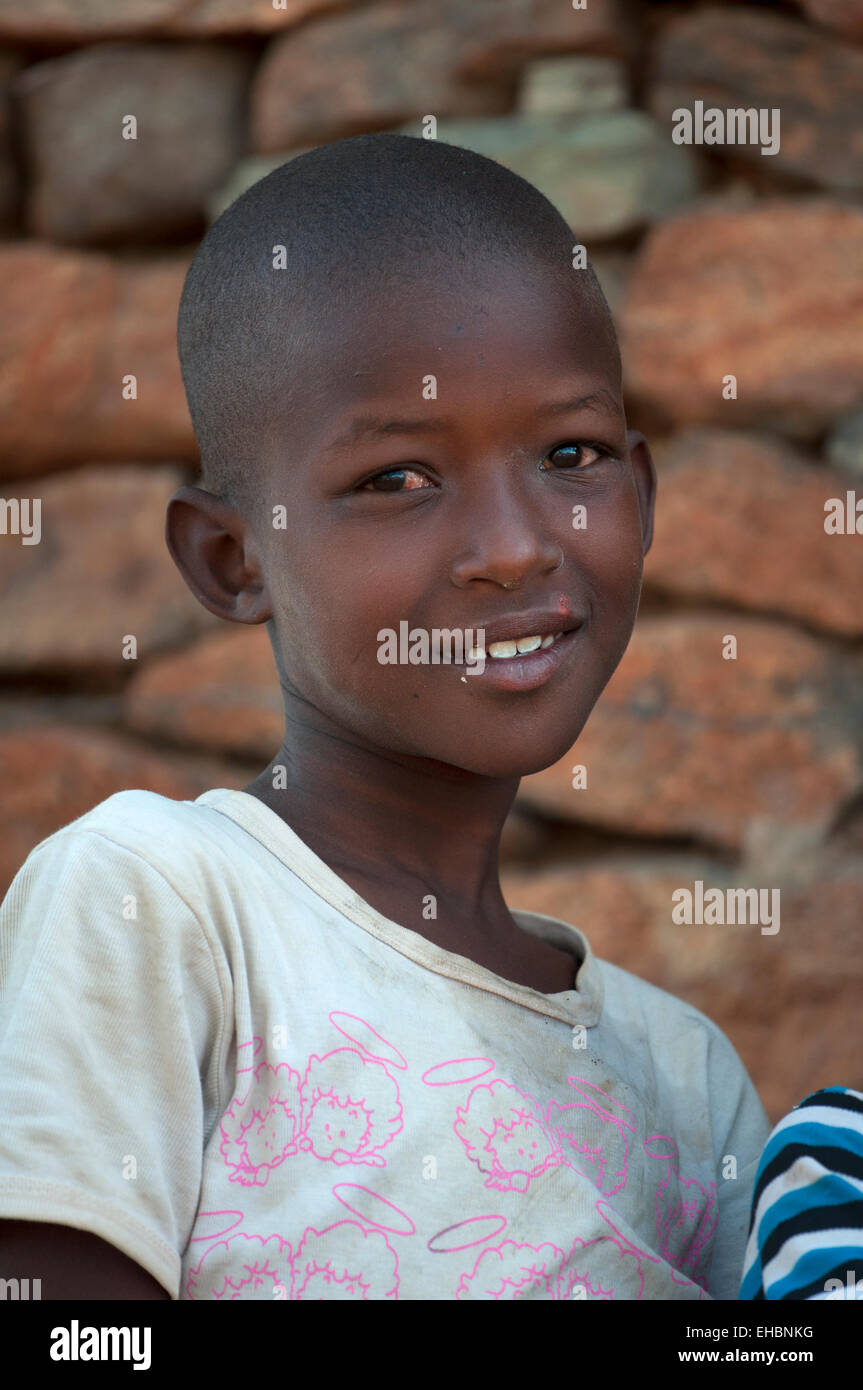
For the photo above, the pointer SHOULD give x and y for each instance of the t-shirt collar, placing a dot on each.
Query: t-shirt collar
(581, 1005)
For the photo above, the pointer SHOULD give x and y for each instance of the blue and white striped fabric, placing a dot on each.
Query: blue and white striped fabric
(806, 1226)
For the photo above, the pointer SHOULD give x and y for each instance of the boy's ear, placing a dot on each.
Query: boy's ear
(645, 481)
(212, 546)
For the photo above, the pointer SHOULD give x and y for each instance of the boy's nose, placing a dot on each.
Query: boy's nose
(506, 542)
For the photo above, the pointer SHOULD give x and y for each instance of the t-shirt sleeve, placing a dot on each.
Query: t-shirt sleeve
(741, 1129)
(112, 1009)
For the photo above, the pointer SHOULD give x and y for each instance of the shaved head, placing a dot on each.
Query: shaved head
(324, 242)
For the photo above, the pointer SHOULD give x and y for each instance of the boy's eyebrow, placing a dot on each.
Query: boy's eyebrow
(367, 427)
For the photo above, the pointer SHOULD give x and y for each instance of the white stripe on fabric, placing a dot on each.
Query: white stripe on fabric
(827, 1115)
(785, 1260)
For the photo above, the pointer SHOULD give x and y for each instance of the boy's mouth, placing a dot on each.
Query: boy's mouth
(525, 670)
(523, 650)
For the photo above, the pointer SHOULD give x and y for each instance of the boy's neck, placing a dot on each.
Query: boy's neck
(399, 829)
(390, 818)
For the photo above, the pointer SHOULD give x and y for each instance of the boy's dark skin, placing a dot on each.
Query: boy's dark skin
(400, 777)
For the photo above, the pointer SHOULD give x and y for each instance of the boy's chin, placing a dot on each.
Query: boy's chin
(511, 759)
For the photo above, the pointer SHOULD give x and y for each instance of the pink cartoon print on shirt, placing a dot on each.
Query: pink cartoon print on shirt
(345, 1108)
(342, 1262)
(591, 1133)
(586, 1270)
(504, 1134)
(513, 1139)
(686, 1213)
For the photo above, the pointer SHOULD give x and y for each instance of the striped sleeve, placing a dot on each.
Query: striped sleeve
(806, 1224)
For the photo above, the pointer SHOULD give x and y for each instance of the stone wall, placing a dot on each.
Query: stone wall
(719, 261)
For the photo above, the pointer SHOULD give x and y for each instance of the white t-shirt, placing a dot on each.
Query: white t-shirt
(218, 1058)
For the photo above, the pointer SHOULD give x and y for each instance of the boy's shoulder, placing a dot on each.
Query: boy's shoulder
(174, 838)
(139, 881)
(692, 1058)
(135, 818)
(657, 1009)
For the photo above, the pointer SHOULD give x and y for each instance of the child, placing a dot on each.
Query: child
(289, 1042)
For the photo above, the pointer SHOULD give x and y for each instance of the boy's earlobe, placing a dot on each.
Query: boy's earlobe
(645, 481)
(212, 546)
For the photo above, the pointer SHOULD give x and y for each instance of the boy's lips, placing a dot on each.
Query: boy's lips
(527, 670)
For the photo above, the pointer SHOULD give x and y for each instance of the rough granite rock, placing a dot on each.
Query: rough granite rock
(89, 21)
(770, 295)
(845, 16)
(740, 520)
(100, 572)
(222, 694)
(397, 61)
(92, 184)
(73, 325)
(739, 57)
(685, 742)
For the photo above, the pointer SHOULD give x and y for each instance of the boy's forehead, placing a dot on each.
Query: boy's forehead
(473, 299)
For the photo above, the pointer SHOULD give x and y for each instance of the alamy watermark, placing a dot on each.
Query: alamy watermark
(15, 518)
(77, 1343)
(734, 126)
(852, 1288)
(20, 1290)
(720, 906)
(844, 518)
(435, 646)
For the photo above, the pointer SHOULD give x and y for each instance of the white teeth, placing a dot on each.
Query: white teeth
(517, 647)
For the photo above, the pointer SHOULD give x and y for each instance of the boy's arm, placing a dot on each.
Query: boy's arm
(71, 1264)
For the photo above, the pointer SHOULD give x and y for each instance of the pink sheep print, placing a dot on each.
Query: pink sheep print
(342, 1115)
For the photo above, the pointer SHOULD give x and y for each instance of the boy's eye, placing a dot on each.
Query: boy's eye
(409, 479)
(576, 454)
(395, 480)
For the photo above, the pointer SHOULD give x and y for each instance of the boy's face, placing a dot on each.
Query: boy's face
(470, 527)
